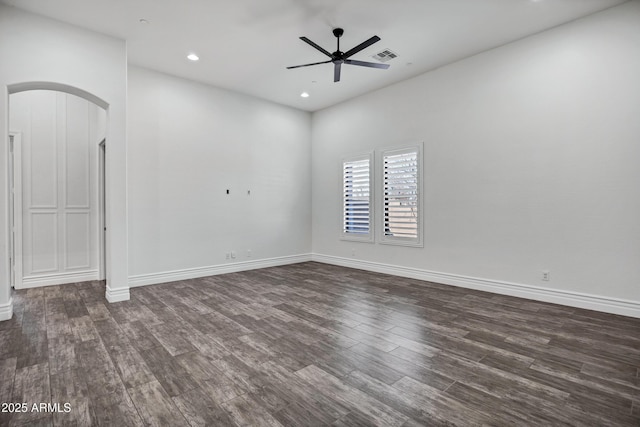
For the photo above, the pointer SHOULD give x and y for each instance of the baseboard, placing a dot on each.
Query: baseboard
(194, 273)
(6, 310)
(117, 295)
(58, 279)
(568, 298)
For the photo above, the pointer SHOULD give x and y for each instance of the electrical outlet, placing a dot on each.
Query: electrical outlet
(233, 254)
(546, 275)
(248, 253)
(228, 255)
(353, 251)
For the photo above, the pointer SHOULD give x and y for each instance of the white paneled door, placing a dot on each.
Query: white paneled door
(60, 209)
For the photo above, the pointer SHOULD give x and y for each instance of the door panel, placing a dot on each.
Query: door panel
(41, 242)
(78, 240)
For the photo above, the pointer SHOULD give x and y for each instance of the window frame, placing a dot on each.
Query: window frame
(382, 238)
(358, 237)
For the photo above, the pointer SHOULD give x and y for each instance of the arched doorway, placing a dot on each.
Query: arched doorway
(65, 195)
(55, 142)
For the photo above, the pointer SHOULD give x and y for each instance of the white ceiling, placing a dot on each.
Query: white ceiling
(245, 45)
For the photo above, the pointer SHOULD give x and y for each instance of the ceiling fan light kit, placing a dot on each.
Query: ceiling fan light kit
(338, 57)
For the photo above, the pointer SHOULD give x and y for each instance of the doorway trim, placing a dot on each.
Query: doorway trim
(102, 211)
(59, 87)
(15, 208)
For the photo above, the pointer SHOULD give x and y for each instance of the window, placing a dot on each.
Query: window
(357, 215)
(401, 201)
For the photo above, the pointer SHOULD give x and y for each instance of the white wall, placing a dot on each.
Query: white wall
(37, 49)
(531, 155)
(59, 141)
(188, 144)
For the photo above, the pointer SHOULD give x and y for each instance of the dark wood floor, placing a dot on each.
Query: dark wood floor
(313, 344)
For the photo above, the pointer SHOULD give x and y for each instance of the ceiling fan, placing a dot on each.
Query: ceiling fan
(338, 58)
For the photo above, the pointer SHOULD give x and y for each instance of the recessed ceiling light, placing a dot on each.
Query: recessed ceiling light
(144, 21)
(193, 57)
(304, 95)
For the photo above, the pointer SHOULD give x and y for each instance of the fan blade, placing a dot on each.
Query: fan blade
(309, 42)
(308, 65)
(361, 46)
(366, 64)
(336, 72)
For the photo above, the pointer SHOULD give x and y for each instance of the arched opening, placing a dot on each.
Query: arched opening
(59, 87)
(61, 218)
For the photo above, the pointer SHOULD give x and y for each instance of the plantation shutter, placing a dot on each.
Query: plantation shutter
(401, 195)
(356, 206)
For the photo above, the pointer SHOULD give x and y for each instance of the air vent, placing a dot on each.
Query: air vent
(385, 55)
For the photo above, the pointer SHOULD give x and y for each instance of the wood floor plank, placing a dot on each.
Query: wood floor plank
(171, 339)
(442, 407)
(350, 396)
(103, 381)
(7, 377)
(93, 354)
(500, 414)
(398, 401)
(10, 342)
(622, 374)
(83, 328)
(130, 365)
(69, 387)
(173, 377)
(238, 371)
(307, 396)
(245, 411)
(31, 386)
(62, 354)
(75, 308)
(620, 394)
(420, 370)
(139, 336)
(413, 342)
(221, 388)
(297, 413)
(155, 406)
(199, 366)
(98, 311)
(34, 347)
(115, 410)
(200, 410)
